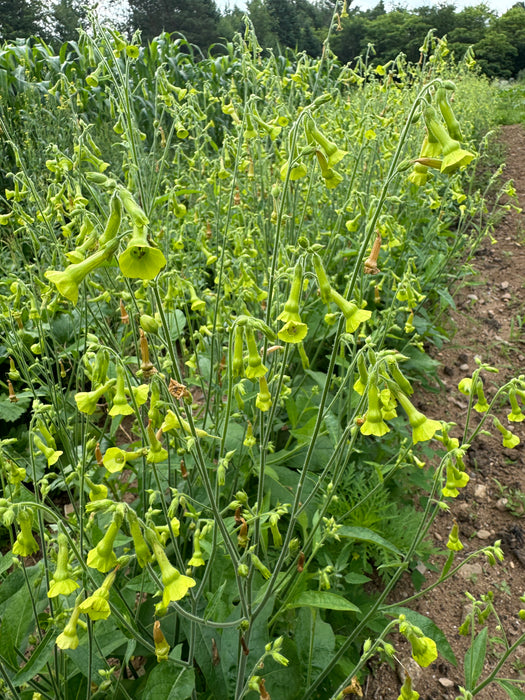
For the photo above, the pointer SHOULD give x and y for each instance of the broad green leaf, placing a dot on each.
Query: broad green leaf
(16, 618)
(324, 600)
(168, 681)
(511, 689)
(38, 660)
(364, 534)
(475, 658)
(430, 629)
(5, 562)
(315, 639)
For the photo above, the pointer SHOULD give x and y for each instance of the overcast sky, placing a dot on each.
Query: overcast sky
(499, 6)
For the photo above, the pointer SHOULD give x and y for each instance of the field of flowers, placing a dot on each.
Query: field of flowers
(220, 279)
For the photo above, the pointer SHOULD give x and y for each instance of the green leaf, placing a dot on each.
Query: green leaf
(355, 579)
(512, 691)
(5, 562)
(12, 411)
(176, 321)
(38, 659)
(322, 599)
(16, 619)
(475, 658)
(364, 534)
(168, 681)
(315, 640)
(429, 629)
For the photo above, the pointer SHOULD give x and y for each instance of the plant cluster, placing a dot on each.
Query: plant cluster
(210, 351)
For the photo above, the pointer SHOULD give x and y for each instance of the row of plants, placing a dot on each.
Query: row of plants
(220, 281)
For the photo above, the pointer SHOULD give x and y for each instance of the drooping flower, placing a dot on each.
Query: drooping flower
(102, 557)
(62, 583)
(353, 314)
(68, 639)
(448, 115)
(362, 379)
(156, 452)
(142, 551)
(87, 400)
(333, 153)
(509, 439)
(197, 559)
(264, 398)
(454, 543)
(482, 405)
(293, 332)
(120, 405)
(407, 693)
(255, 368)
(68, 281)
(141, 260)
(176, 585)
(325, 288)
(424, 649)
(374, 423)
(238, 362)
(52, 455)
(454, 157)
(516, 415)
(455, 479)
(423, 428)
(96, 606)
(25, 544)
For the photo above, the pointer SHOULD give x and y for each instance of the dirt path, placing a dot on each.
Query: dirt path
(489, 322)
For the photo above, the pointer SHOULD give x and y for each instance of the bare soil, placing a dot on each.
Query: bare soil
(490, 309)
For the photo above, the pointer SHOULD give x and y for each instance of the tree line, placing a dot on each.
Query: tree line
(498, 41)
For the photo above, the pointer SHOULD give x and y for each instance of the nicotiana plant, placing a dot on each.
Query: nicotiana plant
(220, 315)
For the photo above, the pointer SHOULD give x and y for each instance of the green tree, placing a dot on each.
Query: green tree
(496, 55)
(20, 19)
(196, 19)
(512, 24)
(68, 16)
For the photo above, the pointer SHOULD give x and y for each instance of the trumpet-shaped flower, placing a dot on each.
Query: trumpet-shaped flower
(96, 606)
(406, 692)
(197, 558)
(291, 307)
(116, 459)
(68, 639)
(454, 157)
(156, 452)
(454, 543)
(142, 551)
(87, 400)
(25, 544)
(176, 585)
(264, 398)
(374, 423)
(333, 153)
(255, 368)
(482, 405)
(424, 650)
(325, 288)
(423, 428)
(102, 557)
(171, 422)
(293, 332)
(456, 479)
(52, 455)
(516, 415)
(362, 379)
(62, 583)
(353, 314)
(120, 406)
(141, 260)
(68, 281)
(509, 439)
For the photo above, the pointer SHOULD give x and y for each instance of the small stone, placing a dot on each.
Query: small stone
(483, 534)
(501, 504)
(438, 537)
(480, 492)
(470, 570)
(521, 358)
(504, 285)
(464, 368)
(506, 296)
(490, 313)
(472, 297)
(446, 682)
